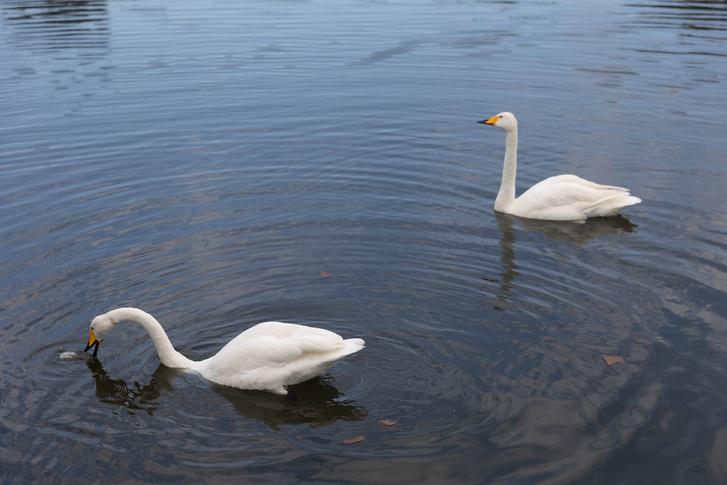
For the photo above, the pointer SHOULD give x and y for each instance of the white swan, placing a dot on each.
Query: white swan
(266, 357)
(559, 198)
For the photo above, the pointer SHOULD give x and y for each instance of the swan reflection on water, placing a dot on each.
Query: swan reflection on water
(578, 233)
(315, 402)
(571, 232)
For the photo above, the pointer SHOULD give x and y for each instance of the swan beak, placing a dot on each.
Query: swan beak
(92, 341)
(490, 121)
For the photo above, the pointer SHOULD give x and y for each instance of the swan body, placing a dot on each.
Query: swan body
(559, 198)
(266, 357)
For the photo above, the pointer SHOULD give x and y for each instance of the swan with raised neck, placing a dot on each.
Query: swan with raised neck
(560, 198)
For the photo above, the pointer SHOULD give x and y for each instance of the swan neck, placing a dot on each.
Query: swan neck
(165, 350)
(506, 195)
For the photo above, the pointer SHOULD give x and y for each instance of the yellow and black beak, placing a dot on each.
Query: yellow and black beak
(92, 342)
(491, 121)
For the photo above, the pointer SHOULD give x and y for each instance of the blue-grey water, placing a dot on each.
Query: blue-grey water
(207, 160)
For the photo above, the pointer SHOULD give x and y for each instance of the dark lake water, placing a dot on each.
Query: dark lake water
(205, 161)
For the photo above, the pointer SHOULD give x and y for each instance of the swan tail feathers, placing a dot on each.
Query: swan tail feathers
(611, 205)
(348, 347)
(353, 345)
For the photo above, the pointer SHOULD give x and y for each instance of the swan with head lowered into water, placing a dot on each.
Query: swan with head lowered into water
(266, 357)
(559, 198)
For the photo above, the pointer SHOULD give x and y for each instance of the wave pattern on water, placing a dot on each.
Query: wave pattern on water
(207, 162)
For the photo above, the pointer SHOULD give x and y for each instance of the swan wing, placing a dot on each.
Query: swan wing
(565, 178)
(571, 198)
(271, 355)
(289, 330)
(275, 343)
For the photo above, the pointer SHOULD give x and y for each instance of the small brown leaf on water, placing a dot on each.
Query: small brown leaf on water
(387, 423)
(353, 441)
(325, 274)
(613, 359)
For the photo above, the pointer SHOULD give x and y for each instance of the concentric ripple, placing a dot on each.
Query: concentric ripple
(208, 163)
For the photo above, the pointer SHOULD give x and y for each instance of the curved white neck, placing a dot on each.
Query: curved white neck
(167, 355)
(506, 195)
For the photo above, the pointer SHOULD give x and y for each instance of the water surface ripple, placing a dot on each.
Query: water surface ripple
(206, 161)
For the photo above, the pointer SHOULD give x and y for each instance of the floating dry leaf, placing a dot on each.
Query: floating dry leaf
(387, 423)
(353, 441)
(613, 359)
(325, 274)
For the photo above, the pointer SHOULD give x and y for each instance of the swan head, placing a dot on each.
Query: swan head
(100, 327)
(504, 120)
